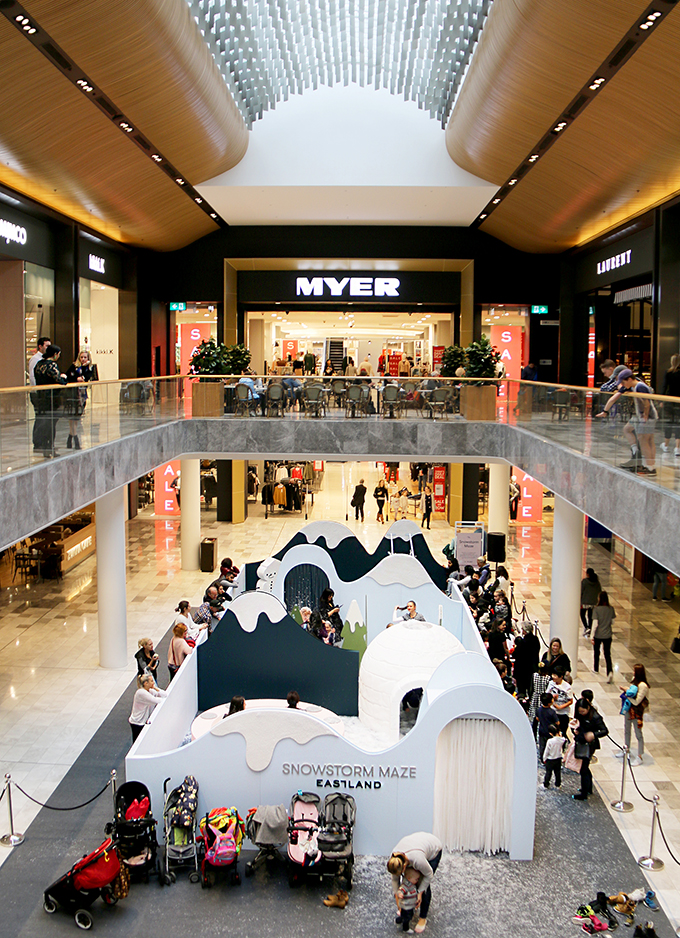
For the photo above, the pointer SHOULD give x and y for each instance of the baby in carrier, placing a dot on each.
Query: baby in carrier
(407, 895)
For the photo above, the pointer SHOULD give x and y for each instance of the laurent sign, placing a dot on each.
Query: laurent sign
(358, 286)
(611, 263)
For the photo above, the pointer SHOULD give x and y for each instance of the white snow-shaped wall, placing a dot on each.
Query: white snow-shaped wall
(400, 658)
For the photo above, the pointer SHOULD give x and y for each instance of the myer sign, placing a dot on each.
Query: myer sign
(10, 232)
(347, 286)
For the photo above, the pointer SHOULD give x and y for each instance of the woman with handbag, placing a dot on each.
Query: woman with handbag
(82, 371)
(634, 715)
(588, 728)
(603, 616)
(178, 649)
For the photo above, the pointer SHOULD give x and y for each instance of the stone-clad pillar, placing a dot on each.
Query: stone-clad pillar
(565, 587)
(111, 596)
(190, 525)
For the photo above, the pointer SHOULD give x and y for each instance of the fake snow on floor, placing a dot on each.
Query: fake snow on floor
(369, 740)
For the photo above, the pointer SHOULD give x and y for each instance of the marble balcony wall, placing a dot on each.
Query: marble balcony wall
(642, 513)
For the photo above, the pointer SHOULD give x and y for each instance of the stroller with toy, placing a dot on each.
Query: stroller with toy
(179, 828)
(220, 836)
(88, 879)
(336, 837)
(304, 825)
(134, 830)
(267, 828)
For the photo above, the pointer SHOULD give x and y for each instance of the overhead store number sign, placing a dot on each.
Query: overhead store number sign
(178, 307)
(347, 286)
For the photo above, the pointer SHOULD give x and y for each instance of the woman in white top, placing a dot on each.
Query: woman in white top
(184, 618)
(634, 717)
(147, 696)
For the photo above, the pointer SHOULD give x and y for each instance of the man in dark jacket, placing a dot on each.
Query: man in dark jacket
(358, 500)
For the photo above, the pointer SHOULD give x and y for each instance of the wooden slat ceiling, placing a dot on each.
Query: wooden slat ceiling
(618, 158)
(59, 149)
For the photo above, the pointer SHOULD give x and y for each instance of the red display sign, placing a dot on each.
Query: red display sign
(439, 488)
(191, 334)
(437, 355)
(591, 356)
(166, 502)
(508, 341)
(531, 498)
(394, 364)
(290, 347)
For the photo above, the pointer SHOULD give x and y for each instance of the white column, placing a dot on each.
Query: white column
(111, 600)
(567, 568)
(190, 525)
(499, 497)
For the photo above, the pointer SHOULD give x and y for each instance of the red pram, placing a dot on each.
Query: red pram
(85, 882)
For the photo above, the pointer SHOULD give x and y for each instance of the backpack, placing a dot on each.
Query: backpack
(222, 849)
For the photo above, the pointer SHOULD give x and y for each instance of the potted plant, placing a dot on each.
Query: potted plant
(478, 399)
(454, 357)
(211, 358)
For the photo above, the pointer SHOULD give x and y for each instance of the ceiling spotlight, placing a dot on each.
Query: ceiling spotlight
(128, 128)
(31, 30)
(596, 84)
(533, 157)
(198, 201)
(157, 157)
(512, 182)
(213, 215)
(495, 201)
(560, 126)
(483, 216)
(179, 181)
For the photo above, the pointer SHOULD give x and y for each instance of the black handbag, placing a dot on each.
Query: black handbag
(675, 644)
(581, 749)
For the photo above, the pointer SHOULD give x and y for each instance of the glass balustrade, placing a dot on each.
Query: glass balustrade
(635, 432)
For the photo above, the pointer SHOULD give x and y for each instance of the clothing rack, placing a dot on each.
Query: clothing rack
(294, 493)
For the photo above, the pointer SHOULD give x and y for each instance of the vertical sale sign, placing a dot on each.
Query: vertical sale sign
(508, 341)
(191, 334)
(439, 486)
(166, 503)
(531, 497)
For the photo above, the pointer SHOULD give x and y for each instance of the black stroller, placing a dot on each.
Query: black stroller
(85, 882)
(134, 830)
(179, 826)
(267, 828)
(336, 837)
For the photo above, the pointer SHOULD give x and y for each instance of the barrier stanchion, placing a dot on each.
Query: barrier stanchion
(14, 838)
(113, 785)
(650, 862)
(622, 805)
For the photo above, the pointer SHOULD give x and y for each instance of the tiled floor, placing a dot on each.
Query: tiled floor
(54, 695)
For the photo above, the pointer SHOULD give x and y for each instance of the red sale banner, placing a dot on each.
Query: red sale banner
(439, 488)
(166, 501)
(437, 355)
(508, 341)
(290, 347)
(531, 497)
(191, 334)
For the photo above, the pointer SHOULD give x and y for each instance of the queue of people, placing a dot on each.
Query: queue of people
(186, 630)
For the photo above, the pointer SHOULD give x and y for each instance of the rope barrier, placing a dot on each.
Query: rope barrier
(53, 807)
(663, 837)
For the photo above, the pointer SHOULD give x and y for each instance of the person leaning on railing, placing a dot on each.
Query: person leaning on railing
(48, 402)
(639, 431)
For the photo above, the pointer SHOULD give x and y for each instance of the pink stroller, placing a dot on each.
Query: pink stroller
(303, 832)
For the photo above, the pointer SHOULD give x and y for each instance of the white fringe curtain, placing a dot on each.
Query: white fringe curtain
(473, 785)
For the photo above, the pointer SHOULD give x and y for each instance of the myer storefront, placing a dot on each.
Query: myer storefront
(615, 291)
(368, 315)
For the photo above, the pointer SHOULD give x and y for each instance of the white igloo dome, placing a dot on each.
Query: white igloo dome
(400, 658)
